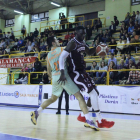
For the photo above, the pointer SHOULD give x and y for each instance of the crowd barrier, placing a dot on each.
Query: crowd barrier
(11, 76)
(114, 99)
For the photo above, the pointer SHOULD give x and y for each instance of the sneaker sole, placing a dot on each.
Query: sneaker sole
(96, 129)
(32, 116)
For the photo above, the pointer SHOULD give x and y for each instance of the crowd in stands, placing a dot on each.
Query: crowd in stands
(128, 33)
(116, 77)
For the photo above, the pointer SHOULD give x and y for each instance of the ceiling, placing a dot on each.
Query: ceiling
(7, 7)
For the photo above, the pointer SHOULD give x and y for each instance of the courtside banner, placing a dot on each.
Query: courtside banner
(15, 62)
(19, 94)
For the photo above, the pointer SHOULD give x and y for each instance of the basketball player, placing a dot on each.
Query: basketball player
(69, 86)
(75, 58)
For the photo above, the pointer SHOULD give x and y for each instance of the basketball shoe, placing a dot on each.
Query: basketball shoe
(81, 119)
(34, 116)
(105, 124)
(91, 124)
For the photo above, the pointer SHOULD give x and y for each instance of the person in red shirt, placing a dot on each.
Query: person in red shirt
(72, 35)
(67, 36)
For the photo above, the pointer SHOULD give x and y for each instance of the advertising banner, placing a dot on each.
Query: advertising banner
(19, 94)
(15, 62)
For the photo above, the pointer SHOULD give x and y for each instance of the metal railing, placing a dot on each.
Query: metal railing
(11, 80)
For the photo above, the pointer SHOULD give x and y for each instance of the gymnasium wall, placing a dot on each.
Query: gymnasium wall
(86, 8)
(117, 8)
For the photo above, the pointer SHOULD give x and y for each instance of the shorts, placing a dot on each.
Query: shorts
(83, 81)
(69, 86)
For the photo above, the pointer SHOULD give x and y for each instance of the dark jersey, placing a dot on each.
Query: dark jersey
(76, 58)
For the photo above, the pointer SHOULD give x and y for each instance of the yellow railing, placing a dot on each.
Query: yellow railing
(82, 22)
(12, 79)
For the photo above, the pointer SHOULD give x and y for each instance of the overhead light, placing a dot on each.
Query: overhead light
(55, 4)
(18, 12)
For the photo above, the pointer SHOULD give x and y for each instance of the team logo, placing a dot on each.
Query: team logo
(16, 94)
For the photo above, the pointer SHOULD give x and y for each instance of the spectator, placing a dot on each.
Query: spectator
(67, 36)
(122, 64)
(136, 26)
(138, 64)
(89, 32)
(103, 60)
(23, 79)
(1, 33)
(130, 64)
(2, 44)
(127, 18)
(133, 16)
(4, 35)
(63, 21)
(12, 37)
(101, 74)
(112, 59)
(96, 43)
(7, 50)
(30, 68)
(112, 66)
(72, 35)
(131, 22)
(94, 67)
(24, 68)
(116, 21)
(128, 58)
(27, 37)
(36, 32)
(112, 28)
(123, 57)
(23, 30)
(12, 32)
(99, 24)
(138, 17)
(113, 48)
(37, 65)
(134, 76)
(20, 43)
(45, 78)
(120, 47)
(31, 37)
(99, 36)
(30, 47)
(130, 29)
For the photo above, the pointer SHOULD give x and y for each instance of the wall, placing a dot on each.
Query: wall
(135, 8)
(27, 22)
(117, 8)
(86, 8)
(2, 24)
(34, 25)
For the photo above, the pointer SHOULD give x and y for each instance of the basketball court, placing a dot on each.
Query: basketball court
(16, 125)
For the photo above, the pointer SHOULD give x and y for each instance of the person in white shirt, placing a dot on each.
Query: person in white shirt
(120, 46)
(12, 32)
(7, 50)
(138, 17)
(2, 44)
(30, 47)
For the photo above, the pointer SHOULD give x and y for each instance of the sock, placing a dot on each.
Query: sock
(39, 110)
(99, 117)
(82, 114)
(87, 116)
(88, 108)
(94, 99)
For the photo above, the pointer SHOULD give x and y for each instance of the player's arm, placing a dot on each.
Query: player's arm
(49, 70)
(65, 53)
(90, 51)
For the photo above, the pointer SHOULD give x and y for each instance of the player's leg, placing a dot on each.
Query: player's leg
(75, 91)
(35, 114)
(56, 90)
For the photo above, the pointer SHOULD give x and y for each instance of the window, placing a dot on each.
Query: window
(9, 23)
(40, 17)
(135, 2)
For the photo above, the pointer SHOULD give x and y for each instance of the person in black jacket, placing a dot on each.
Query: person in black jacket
(89, 32)
(112, 27)
(60, 101)
(113, 48)
(36, 32)
(37, 65)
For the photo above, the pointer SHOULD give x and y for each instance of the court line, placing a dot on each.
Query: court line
(21, 136)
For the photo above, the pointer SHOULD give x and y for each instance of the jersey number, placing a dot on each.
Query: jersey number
(56, 64)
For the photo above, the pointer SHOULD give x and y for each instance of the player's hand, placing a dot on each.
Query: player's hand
(62, 78)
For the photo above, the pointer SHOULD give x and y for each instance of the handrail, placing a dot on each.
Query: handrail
(107, 76)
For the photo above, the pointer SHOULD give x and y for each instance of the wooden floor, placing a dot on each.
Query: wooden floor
(62, 127)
